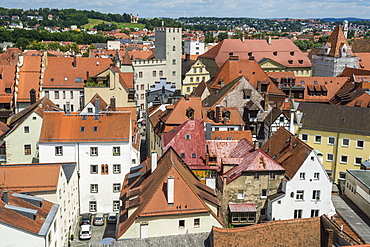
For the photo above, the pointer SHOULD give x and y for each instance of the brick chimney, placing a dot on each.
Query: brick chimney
(113, 103)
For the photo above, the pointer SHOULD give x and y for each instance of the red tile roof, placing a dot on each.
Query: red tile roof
(336, 41)
(260, 49)
(62, 71)
(7, 80)
(288, 150)
(190, 195)
(234, 135)
(17, 220)
(30, 178)
(59, 127)
(29, 78)
(250, 69)
(364, 60)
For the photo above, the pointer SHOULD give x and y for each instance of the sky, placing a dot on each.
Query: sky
(211, 8)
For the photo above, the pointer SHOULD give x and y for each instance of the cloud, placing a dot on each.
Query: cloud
(214, 8)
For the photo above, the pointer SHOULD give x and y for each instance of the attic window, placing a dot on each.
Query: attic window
(300, 61)
(315, 82)
(95, 128)
(287, 140)
(302, 82)
(211, 114)
(66, 78)
(190, 113)
(290, 61)
(275, 53)
(292, 53)
(78, 79)
(267, 150)
(187, 137)
(193, 155)
(226, 115)
(82, 129)
(182, 155)
(295, 144)
(51, 79)
(274, 156)
(83, 117)
(8, 90)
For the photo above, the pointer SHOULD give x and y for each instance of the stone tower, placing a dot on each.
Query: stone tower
(334, 56)
(168, 46)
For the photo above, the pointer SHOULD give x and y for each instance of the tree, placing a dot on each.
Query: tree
(221, 36)
(22, 43)
(209, 38)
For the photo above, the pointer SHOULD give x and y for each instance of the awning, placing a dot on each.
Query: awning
(242, 208)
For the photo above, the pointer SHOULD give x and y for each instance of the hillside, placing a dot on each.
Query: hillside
(121, 25)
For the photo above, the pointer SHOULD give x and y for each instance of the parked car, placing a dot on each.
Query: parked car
(99, 219)
(85, 219)
(112, 217)
(85, 232)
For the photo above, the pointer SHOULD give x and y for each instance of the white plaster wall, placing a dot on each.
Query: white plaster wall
(285, 210)
(16, 140)
(62, 101)
(12, 237)
(169, 225)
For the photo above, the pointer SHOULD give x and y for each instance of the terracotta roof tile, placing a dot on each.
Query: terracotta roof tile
(63, 71)
(20, 221)
(233, 135)
(7, 80)
(59, 127)
(29, 78)
(190, 195)
(288, 150)
(260, 49)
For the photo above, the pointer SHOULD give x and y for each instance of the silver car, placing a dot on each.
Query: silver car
(99, 219)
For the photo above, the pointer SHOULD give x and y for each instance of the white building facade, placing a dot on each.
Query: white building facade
(307, 194)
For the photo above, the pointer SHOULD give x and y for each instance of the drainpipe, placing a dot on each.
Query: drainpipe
(334, 167)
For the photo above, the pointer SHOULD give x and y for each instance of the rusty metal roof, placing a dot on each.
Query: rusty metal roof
(236, 208)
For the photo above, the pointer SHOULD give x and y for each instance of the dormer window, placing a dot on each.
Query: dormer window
(300, 61)
(190, 113)
(275, 53)
(8, 90)
(211, 114)
(290, 61)
(226, 115)
(292, 53)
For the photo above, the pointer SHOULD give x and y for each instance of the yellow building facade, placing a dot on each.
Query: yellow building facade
(269, 65)
(338, 151)
(193, 76)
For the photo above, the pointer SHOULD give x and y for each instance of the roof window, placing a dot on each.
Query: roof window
(82, 129)
(95, 128)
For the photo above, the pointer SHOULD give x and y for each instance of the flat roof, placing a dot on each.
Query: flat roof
(362, 175)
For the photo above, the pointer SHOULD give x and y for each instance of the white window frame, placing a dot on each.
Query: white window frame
(327, 159)
(306, 135)
(93, 151)
(302, 175)
(299, 195)
(329, 143)
(93, 206)
(355, 163)
(116, 187)
(26, 129)
(343, 145)
(298, 212)
(316, 195)
(341, 161)
(316, 175)
(116, 205)
(363, 144)
(315, 212)
(116, 151)
(59, 151)
(116, 168)
(94, 188)
(91, 169)
(318, 136)
(240, 194)
(196, 225)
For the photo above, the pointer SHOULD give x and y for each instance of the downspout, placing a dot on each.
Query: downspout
(334, 168)
(78, 176)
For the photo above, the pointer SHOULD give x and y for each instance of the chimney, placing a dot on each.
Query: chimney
(291, 127)
(266, 102)
(208, 131)
(256, 145)
(268, 39)
(74, 62)
(32, 96)
(87, 75)
(187, 97)
(154, 159)
(329, 235)
(217, 119)
(170, 190)
(187, 56)
(68, 108)
(5, 196)
(251, 58)
(113, 103)
(97, 106)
